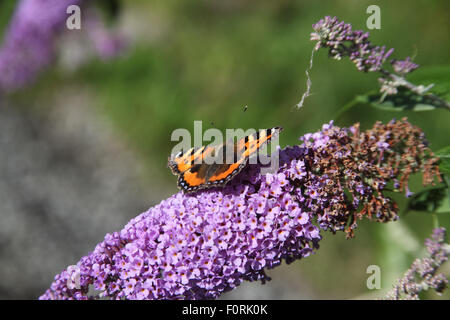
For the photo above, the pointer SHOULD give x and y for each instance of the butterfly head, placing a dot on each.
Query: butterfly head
(277, 129)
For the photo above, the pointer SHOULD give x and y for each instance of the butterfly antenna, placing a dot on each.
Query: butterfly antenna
(240, 118)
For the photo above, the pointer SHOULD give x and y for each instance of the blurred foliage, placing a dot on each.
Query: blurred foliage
(6, 10)
(207, 59)
(444, 155)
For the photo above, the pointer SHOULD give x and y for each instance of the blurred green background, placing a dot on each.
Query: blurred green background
(205, 60)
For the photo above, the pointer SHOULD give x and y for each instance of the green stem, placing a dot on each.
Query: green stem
(345, 108)
(435, 219)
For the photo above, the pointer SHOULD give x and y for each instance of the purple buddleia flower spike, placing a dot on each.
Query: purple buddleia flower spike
(342, 41)
(423, 274)
(108, 42)
(403, 67)
(29, 42)
(197, 246)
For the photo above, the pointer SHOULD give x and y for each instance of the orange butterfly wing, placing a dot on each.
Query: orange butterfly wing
(226, 172)
(194, 178)
(185, 160)
(249, 145)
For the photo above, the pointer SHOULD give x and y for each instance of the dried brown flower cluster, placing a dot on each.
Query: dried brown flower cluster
(357, 167)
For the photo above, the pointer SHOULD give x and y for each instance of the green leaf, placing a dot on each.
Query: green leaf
(444, 156)
(447, 183)
(432, 200)
(407, 100)
(437, 75)
(402, 101)
(437, 199)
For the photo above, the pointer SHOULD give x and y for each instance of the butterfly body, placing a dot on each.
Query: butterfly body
(196, 169)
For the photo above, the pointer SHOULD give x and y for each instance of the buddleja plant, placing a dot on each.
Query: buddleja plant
(396, 92)
(200, 245)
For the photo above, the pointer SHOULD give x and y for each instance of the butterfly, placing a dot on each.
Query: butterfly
(195, 172)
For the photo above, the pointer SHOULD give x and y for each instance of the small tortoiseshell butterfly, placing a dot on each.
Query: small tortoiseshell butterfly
(194, 173)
